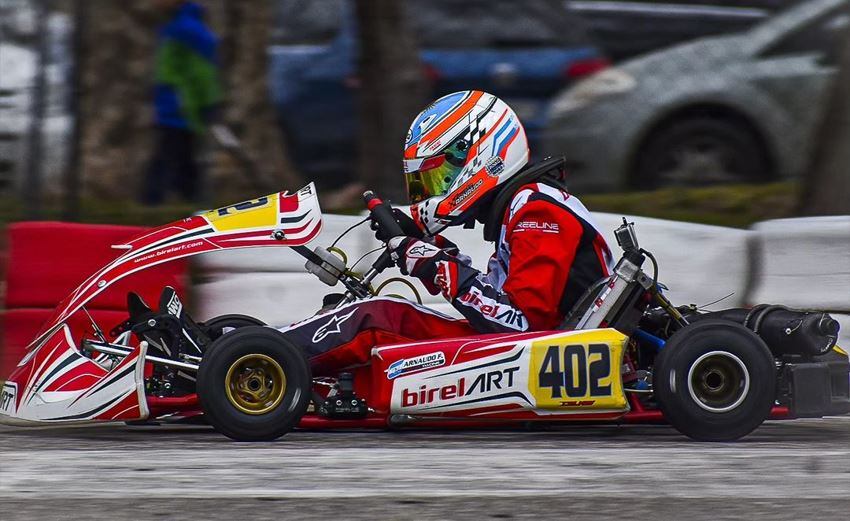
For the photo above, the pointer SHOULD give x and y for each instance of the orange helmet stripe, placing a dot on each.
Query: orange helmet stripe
(453, 118)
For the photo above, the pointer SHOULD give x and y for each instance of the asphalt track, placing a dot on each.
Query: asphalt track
(786, 470)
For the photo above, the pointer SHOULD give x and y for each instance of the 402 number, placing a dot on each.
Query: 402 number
(576, 370)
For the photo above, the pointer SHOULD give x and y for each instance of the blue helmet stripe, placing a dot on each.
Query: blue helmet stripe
(500, 145)
(437, 111)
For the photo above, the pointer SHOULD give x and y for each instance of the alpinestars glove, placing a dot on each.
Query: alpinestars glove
(434, 267)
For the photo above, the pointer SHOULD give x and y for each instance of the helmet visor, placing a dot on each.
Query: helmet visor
(434, 179)
(436, 174)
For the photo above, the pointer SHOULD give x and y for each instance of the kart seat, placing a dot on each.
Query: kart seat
(137, 308)
(582, 305)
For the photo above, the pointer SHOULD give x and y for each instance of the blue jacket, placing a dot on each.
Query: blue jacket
(187, 86)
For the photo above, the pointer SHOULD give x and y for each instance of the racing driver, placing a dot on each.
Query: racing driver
(466, 160)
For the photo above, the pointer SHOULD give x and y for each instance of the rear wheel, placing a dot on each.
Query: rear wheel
(214, 327)
(715, 381)
(254, 384)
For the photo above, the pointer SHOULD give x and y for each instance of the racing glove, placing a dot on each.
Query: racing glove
(468, 290)
(426, 262)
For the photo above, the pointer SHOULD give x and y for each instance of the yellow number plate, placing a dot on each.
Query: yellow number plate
(249, 214)
(578, 371)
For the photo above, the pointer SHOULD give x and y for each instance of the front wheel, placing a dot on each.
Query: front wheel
(715, 380)
(254, 384)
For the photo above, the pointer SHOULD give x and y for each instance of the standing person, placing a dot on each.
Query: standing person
(187, 93)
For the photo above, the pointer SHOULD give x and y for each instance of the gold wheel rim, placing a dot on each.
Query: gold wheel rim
(255, 384)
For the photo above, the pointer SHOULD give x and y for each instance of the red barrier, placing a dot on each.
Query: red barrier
(48, 260)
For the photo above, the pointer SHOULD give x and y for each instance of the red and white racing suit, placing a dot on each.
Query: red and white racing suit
(548, 253)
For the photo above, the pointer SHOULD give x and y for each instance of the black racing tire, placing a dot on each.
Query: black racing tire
(214, 326)
(737, 148)
(276, 369)
(715, 380)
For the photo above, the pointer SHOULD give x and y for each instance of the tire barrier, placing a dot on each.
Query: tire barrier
(803, 263)
(698, 263)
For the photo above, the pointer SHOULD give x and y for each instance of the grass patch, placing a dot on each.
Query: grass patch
(104, 212)
(734, 205)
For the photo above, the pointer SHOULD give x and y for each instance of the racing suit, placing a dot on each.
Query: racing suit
(548, 253)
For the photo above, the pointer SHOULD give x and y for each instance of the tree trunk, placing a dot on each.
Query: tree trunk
(826, 185)
(117, 83)
(73, 168)
(32, 184)
(115, 106)
(392, 92)
(249, 112)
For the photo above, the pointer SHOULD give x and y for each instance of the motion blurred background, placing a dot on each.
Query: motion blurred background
(718, 111)
(726, 112)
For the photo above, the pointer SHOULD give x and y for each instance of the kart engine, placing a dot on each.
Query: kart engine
(787, 332)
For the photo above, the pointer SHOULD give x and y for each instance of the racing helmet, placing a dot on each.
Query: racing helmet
(458, 149)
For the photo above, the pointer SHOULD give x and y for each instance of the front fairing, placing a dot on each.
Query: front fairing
(54, 382)
(279, 219)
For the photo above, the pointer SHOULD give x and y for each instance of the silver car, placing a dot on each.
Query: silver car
(737, 108)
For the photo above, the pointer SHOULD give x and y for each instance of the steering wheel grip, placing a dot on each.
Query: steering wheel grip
(382, 215)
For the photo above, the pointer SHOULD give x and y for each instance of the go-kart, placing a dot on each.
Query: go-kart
(624, 353)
